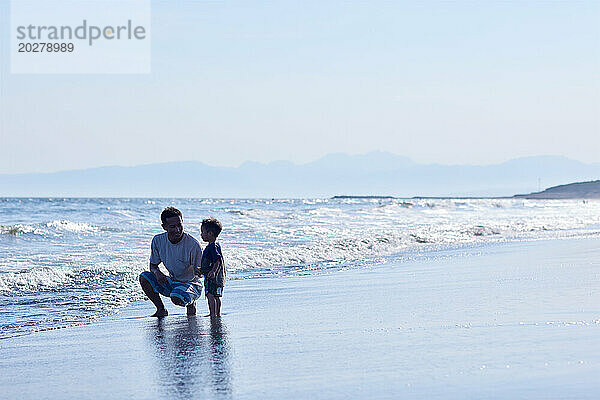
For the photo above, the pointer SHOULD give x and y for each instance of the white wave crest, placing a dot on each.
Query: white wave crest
(48, 228)
(342, 250)
(70, 226)
(20, 229)
(326, 212)
(35, 279)
(256, 213)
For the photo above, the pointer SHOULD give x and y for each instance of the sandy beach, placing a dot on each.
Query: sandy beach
(497, 321)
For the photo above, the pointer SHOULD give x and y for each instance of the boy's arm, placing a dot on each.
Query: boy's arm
(217, 264)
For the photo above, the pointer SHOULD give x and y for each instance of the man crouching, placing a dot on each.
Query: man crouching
(181, 255)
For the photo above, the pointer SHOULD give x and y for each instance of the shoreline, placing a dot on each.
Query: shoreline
(498, 321)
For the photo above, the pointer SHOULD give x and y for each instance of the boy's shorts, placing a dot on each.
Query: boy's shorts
(210, 286)
(188, 292)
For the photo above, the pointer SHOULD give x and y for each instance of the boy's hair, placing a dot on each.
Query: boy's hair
(170, 212)
(212, 225)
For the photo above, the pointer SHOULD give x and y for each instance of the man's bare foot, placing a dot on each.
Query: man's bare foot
(160, 313)
(191, 309)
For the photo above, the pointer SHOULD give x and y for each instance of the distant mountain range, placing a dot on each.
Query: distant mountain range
(375, 173)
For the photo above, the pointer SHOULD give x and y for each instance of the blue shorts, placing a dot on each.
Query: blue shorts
(211, 286)
(188, 292)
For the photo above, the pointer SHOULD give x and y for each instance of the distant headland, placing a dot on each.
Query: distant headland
(577, 190)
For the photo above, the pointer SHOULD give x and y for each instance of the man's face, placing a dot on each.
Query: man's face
(174, 228)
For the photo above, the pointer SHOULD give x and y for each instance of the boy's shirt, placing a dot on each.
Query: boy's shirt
(212, 253)
(180, 259)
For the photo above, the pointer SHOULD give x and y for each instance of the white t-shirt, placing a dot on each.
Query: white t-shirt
(180, 258)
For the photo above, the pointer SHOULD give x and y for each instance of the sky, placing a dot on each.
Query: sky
(439, 82)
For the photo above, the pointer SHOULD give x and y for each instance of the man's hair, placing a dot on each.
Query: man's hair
(212, 225)
(170, 212)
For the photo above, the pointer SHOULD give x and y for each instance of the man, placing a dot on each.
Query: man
(181, 255)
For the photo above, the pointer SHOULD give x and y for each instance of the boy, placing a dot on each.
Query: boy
(181, 254)
(212, 266)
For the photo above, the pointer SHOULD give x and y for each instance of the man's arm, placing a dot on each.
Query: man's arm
(197, 261)
(155, 260)
(160, 277)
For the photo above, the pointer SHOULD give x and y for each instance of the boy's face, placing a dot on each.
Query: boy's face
(174, 228)
(207, 235)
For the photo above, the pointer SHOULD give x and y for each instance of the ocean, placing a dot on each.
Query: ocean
(68, 261)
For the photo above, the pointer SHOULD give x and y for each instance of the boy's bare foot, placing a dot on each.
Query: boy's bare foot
(160, 313)
(191, 309)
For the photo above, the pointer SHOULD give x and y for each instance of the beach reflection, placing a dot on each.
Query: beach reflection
(193, 357)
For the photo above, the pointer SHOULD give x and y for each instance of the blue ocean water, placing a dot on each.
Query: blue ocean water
(67, 261)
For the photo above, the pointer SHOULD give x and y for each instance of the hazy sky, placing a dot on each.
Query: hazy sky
(447, 82)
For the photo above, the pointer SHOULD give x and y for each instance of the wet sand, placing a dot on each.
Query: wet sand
(519, 320)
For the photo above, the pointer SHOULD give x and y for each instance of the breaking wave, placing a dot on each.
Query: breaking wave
(48, 228)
